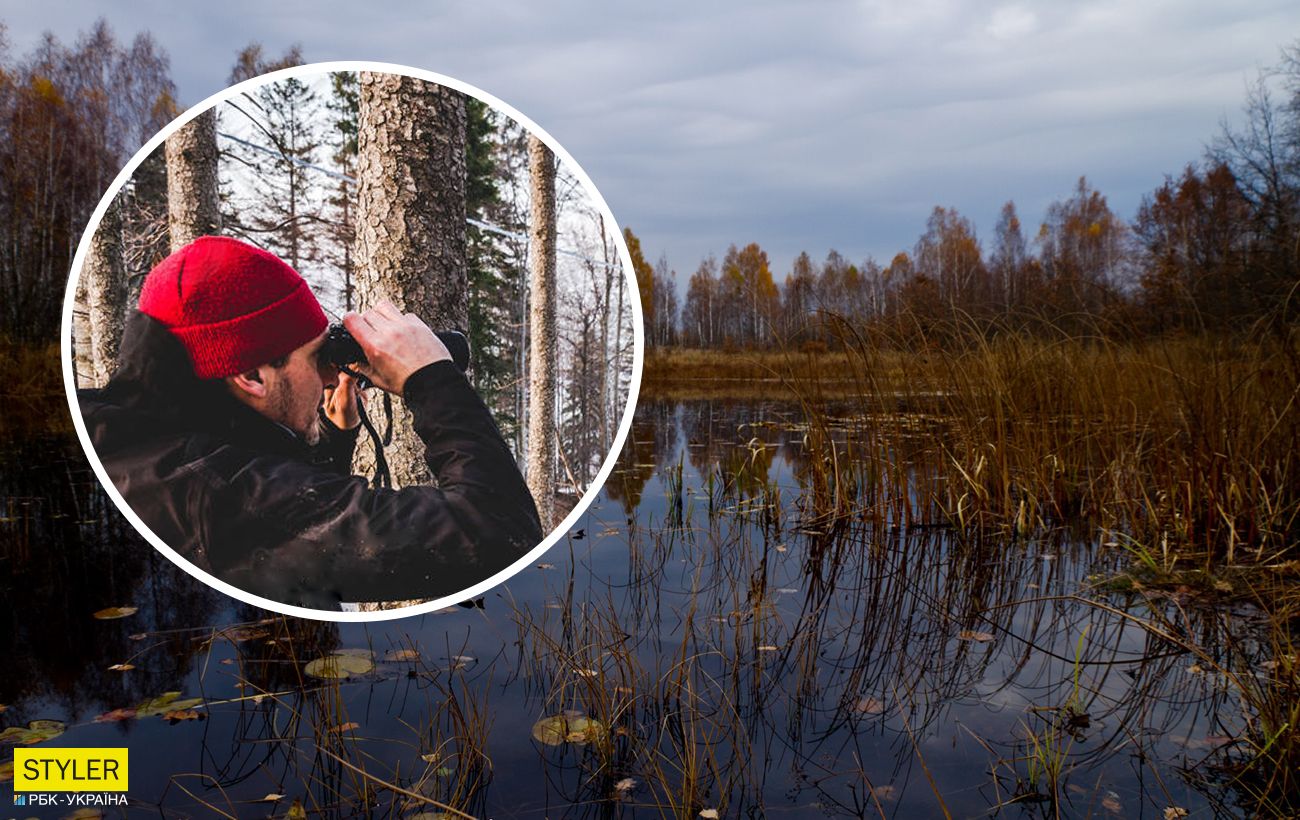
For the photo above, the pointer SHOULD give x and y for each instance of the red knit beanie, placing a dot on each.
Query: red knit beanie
(233, 306)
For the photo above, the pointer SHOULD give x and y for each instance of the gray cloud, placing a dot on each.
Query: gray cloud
(800, 126)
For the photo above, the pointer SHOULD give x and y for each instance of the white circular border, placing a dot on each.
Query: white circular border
(69, 377)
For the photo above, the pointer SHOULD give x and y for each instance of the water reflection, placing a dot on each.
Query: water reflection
(749, 630)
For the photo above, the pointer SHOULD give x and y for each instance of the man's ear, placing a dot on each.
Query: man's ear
(249, 382)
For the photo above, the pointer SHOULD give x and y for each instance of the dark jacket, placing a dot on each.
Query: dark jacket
(245, 499)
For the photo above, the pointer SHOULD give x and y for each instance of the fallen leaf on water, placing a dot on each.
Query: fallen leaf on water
(115, 612)
(885, 792)
(586, 673)
(177, 715)
(296, 811)
(115, 715)
(35, 732)
(972, 635)
(432, 757)
(1195, 669)
(164, 703)
(1175, 812)
(627, 784)
(546, 566)
(788, 591)
(346, 727)
(338, 666)
(121, 667)
(402, 655)
(558, 729)
(870, 706)
(767, 648)
(709, 814)
(139, 636)
(271, 798)
(1111, 803)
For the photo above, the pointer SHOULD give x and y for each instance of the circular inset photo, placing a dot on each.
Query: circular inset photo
(352, 341)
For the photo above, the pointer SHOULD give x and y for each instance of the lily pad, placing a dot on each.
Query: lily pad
(339, 666)
(35, 732)
(164, 703)
(114, 612)
(558, 729)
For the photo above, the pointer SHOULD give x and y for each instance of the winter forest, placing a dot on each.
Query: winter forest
(287, 180)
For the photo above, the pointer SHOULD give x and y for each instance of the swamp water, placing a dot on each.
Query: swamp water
(704, 640)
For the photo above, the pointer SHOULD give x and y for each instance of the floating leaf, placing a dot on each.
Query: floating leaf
(36, 731)
(296, 811)
(972, 635)
(164, 703)
(586, 673)
(625, 785)
(870, 706)
(243, 633)
(139, 636)
(558, 729)
(116, 715)
(709, 814)
(443, 771)
(121, 667)
(177, 715)
(338, 666)
(271, 798)
(346, 727)
(115, 612)
(402, 655)
(431, 757)
(1175, 812)
(1111, 803)
(767, 648)
(546, 566)
(885, 792)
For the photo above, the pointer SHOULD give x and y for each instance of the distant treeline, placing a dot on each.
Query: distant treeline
(1213, 249)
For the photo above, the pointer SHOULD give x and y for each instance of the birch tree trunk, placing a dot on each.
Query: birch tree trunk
(410, 245)
(541, 320)
(193, 207)
(104, 276)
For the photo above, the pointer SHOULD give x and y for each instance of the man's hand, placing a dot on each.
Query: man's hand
(341, 403)
(396, 344)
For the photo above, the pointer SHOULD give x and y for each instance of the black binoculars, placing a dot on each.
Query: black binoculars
(341, 349)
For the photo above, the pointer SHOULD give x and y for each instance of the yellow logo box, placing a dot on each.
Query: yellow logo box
(70, 770)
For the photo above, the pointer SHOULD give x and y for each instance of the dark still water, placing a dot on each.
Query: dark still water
(728, 630)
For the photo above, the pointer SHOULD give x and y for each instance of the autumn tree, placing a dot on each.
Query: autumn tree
(1084, 253)
(699, 313)
(1195, 238)
(799, 300)
(645, 280)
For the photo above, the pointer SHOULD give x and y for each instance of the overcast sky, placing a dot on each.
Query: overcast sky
(798, 125)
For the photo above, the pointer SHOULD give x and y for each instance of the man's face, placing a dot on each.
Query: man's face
(295, 389)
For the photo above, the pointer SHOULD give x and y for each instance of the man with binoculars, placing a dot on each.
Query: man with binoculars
(229, 431)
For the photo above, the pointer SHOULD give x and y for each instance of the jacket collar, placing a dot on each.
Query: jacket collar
(156, 379)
